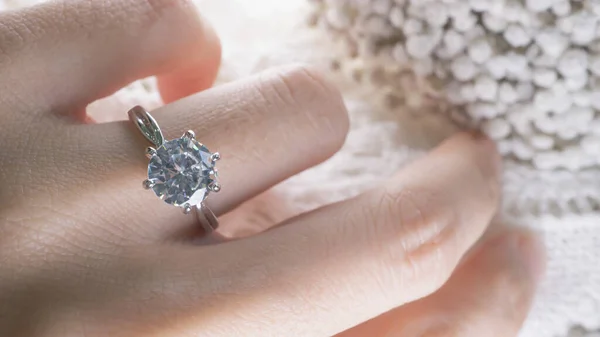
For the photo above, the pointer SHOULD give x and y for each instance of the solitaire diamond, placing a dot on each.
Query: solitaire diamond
(182, 172)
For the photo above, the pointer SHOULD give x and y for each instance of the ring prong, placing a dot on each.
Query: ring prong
(214, 187)
(148, 184)
(150, 152)
(190, 134)
(215, 157)
(187, 209)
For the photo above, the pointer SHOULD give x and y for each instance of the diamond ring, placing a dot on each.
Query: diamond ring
(182, 171)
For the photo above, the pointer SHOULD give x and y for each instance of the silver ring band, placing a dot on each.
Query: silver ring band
(206, 218)
(181, 171)
(147, 125)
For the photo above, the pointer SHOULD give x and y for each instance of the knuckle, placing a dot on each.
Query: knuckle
(16, 30)
(419, 234)
(311, 96)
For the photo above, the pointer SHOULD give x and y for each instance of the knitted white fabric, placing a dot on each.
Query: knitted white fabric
(558, 197)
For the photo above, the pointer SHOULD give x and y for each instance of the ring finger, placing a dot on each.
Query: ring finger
(267, 128)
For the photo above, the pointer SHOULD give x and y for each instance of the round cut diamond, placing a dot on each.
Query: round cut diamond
(181, 172)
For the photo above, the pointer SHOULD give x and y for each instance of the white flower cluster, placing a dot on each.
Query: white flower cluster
(526, 71)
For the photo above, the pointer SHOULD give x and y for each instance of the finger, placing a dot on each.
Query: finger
(266, 128)
(68, 53)
(489, 295)
(381, 250)
(261, 213)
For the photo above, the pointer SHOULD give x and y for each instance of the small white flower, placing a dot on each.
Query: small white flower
(437, 16)
(496, 128)
(576, 83)
(480, 51)
(465, 24)
(507, 93)
(412, 26)
(467, 91)
(574, 62)
(546, 160)
(459, 10)
(496, 67)
(591, 145)
(561, 8)
(525, 91)
(584, 28)
(545, 125)
(454, 42)
(419, 46)
(582, 98)
(544, 100)
(486, 88)
(517, 36)
(494, 23)
(516, 63)
(482, 111)
(544, 77)
(595, 99)
(552, 42)
(513, 11)
(566, 24)
(463, 68)
(541, 142)
(522, 150)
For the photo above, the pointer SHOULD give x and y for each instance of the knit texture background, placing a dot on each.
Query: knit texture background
(552, 180)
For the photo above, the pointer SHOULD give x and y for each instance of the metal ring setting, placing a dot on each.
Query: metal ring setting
(181, 171)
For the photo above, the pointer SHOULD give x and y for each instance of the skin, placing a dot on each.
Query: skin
(85, 251)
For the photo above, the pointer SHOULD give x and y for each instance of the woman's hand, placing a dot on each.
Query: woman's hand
(85, 251)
